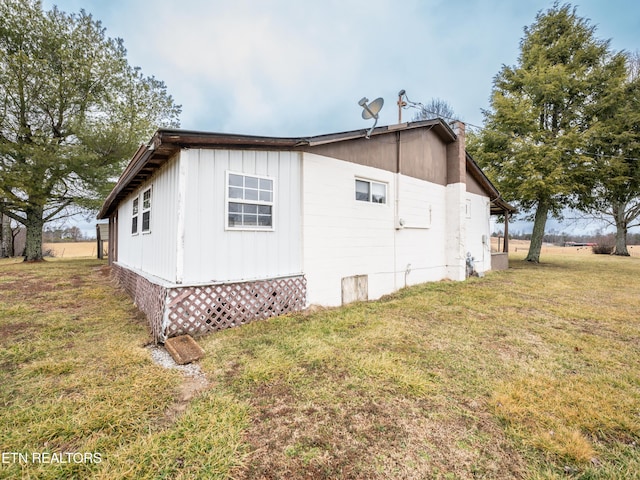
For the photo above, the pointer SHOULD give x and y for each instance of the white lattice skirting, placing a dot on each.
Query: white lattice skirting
(173, 311)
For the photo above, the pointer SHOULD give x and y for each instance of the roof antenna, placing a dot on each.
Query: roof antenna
(371, 111)
(401, 104)
(404, 102)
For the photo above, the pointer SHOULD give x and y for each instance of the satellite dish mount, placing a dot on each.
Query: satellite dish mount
(371, 110)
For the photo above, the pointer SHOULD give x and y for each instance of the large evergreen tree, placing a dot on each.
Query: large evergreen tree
(539, 114)
(72, 110)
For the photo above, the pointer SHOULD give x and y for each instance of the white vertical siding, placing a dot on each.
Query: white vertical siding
(342, 236)
(421, 243)
(155, 252)
(213, 254)
(320, 229)
(455, 231)
(478, 231)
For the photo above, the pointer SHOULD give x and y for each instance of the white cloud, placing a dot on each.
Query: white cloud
(284, 67)
(269, 67)
(289, 68)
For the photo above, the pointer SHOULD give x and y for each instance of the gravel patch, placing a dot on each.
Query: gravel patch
(161, 357)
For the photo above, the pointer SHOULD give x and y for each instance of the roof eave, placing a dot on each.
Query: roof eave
(443, 130)
(166, 142)
(138, 161)
(501, 206)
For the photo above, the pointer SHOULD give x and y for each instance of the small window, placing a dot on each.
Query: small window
(134, 217)
(146, 211)
(373, 192)
(467, 208)
(249, 202)
(363, 190)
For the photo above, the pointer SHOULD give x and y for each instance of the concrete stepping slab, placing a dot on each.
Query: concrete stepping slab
(184, 349)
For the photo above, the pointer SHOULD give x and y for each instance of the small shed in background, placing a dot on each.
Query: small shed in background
(102, 239)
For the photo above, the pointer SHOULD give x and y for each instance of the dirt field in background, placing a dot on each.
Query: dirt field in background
(88, 249)
(548, 248)
(72, 249)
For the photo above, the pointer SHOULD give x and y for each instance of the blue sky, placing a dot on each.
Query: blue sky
(296, 68)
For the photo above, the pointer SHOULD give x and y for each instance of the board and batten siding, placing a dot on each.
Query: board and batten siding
(214, 254)
(153, 253)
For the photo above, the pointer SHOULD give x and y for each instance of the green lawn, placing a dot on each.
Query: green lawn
(532, 373)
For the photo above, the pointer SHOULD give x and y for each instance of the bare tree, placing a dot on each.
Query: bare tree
(436, 108)
(615, 195)
(4, 220)
(9, 231)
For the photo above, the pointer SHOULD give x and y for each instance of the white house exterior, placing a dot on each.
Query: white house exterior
(215, 230)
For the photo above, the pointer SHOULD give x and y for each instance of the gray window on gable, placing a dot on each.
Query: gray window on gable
(249, 202)
(369, 191)
(134, 217)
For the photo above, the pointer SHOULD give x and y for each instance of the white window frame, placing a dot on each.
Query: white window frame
(146, 209)
(371, 184)
(243, 201)
(135, 215)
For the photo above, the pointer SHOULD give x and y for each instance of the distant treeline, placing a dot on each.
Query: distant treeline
(70, 234)
(562, 238)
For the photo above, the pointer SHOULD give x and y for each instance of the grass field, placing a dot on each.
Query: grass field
(71, 249)
(88, 249)
(533, 372)
(516, 246)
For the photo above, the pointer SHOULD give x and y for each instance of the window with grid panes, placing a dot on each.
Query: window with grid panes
(249, 202)
(146, 211)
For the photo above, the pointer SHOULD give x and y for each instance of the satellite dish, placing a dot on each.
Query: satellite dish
(371, 111)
